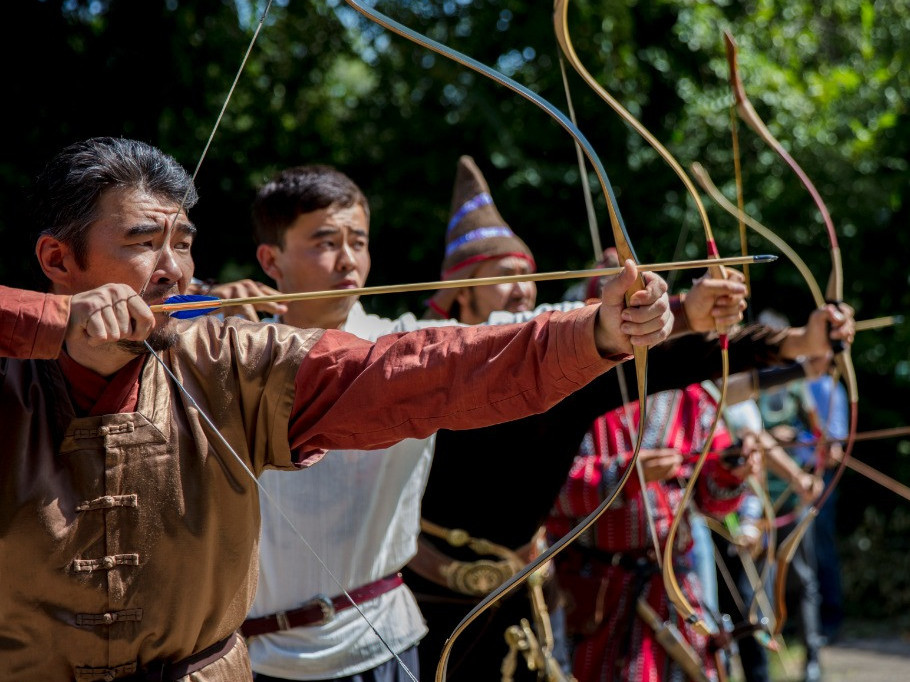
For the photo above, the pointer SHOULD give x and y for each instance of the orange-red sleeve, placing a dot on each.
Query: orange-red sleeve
(32, 324)
(352, 394)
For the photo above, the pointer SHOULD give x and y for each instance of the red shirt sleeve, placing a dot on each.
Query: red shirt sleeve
(32, 324)
(352, 394)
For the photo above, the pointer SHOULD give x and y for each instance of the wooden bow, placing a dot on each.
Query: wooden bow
(834, 294)
(759, 602)
(624, 249)
(675, 593)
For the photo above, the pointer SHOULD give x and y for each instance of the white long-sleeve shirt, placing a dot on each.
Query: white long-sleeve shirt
(360, 512)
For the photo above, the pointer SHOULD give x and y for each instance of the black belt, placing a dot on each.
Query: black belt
(170, 672)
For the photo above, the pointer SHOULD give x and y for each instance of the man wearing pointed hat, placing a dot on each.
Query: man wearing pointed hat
(489, 489)
(479, 243)
(449, 578)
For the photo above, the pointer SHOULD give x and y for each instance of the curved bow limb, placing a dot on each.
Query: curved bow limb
(707, 184)
(834, 294)
(671, 584)
(750, 116)
(785, 553)
(757, 579)
(835, 288)
(623, 387)
(560, 20)
(770, 554)
(788, 546)
(623, 247)
(759, 597)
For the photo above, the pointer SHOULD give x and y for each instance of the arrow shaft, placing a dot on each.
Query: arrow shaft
(879, 322)
(455, 283)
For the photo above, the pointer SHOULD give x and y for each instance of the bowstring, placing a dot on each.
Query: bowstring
(263, 491)
(598, 254)
(170, 228)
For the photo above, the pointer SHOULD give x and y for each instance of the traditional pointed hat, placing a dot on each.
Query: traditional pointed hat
(475, 233)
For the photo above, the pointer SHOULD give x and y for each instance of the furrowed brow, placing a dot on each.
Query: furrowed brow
(148, 229)
(144, 230)
(187, 228)
(325, 231)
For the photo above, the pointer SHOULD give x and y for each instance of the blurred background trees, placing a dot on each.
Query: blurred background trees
(830, 78)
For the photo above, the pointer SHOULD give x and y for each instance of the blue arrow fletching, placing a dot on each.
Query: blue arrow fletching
(191, 298)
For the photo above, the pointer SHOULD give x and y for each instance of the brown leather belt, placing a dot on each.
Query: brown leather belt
(319, 610)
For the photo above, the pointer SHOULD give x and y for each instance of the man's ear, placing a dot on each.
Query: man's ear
(463, 298)
(265, 254)
(57, 260)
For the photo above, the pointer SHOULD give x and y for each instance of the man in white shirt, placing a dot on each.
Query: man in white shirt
(359, 511)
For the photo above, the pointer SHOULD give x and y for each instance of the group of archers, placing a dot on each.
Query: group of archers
(323, 494)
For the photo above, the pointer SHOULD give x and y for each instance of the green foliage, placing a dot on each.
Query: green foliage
(876, 563)
(830, 78)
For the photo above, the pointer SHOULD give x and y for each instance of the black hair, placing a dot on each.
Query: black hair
(299, 190)
(65, 197)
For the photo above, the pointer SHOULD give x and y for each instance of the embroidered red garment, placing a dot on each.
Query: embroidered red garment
(612, 642)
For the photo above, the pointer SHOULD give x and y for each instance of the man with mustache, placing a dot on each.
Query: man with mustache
(479, 243)
(129, 518)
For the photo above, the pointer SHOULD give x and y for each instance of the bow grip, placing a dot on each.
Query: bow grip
(837, 345)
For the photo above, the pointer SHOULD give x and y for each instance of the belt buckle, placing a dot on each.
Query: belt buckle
(477, 578)
(326, 606)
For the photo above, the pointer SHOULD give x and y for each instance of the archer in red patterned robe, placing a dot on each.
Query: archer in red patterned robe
(612, 564)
